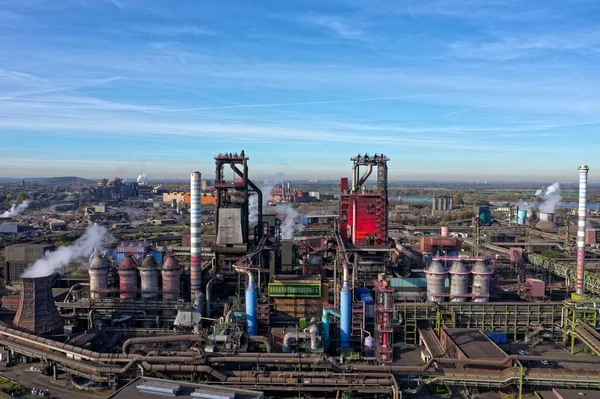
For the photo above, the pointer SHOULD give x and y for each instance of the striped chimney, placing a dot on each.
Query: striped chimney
(583, 171)
(195, 245)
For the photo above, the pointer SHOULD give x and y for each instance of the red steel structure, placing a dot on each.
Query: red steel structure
(363, 213)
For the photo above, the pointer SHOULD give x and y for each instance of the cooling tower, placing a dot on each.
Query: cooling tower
(37, 312)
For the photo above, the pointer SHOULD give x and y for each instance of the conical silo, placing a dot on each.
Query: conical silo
(459, 281)
(98, 276)
(482, 275)
(149, 277)
(436, 275)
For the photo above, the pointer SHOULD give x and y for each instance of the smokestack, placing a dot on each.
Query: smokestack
(583, 171)
(195, 246)
(37, 312)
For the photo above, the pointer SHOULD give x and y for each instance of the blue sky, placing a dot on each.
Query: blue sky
(448, 89)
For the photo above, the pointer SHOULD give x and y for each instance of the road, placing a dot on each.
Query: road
(60, 389)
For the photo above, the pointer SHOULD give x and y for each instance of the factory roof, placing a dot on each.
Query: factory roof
(141, 387)
(474, 343)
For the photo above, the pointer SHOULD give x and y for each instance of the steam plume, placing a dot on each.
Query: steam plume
(15, 209)
(266, 188)
(289, 227)
(142, 179)
(95, 236)
(551, 198)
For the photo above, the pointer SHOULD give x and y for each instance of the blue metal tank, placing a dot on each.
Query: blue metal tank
(251, 302)
(346, 319)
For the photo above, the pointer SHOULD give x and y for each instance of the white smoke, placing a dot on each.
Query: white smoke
(551, 198)
(142, 179)
(95, 236)
(522, 205)
(266, 188)
(289, 227)
(15, 210)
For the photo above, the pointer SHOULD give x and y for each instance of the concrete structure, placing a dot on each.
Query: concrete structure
(98, 276)
(482, 275)
(149, 277)
(459, 281)
(195, 225)
(583, 172)
(19, 256)
(145, 387)
(436, 279)
(128, 278)
(37, 312)
(470, 343)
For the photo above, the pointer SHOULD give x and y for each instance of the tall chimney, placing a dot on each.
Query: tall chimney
(583, 171)
(195, 246)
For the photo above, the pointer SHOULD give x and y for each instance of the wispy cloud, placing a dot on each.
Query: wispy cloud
(341, 27)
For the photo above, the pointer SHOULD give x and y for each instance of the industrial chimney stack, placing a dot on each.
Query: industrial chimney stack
(583, 171)
(37, 312)
(195, 224)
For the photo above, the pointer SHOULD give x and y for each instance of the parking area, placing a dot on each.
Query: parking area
(548, 349)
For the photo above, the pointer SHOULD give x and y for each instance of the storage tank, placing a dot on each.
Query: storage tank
(369, 348)
(171, 278)
(522, 216)
(149, 277)
(436, 275)
(98, 276)
(128, 278)
(482, 275)
(445, 231)
(459, 281)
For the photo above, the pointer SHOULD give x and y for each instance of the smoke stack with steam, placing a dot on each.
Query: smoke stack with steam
(95, 236)
(583, 172)
(15, 210)
(195, 233)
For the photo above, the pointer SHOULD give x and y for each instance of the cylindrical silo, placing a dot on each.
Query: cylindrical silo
(436, 275)
(251, 303)
(149, 277)
(195, 226)
(128, 278)
(98, 276)
(171, 279)
(482, 275)
(459, 281)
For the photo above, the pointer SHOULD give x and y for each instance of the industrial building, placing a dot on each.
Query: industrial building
(350, 312)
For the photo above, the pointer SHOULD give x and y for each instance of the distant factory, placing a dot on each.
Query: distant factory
(345, 304)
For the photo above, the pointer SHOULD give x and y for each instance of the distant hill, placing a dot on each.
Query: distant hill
(58, 181)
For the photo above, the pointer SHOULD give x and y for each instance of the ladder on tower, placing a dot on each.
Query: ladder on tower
(358, 323)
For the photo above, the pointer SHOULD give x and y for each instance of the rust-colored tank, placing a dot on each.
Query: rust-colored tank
(171, 277)
(128, 278)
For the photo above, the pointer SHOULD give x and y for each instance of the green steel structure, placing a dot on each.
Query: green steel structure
(294, 289)
(591, 279)
(516, 318)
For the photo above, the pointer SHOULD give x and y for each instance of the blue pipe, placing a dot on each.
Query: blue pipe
(346, 316)
(251, 302)
(325, 323)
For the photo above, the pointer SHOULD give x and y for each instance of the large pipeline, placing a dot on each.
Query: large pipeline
(154, 340)
(209, 286)
(51, 345)
(262, 340)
